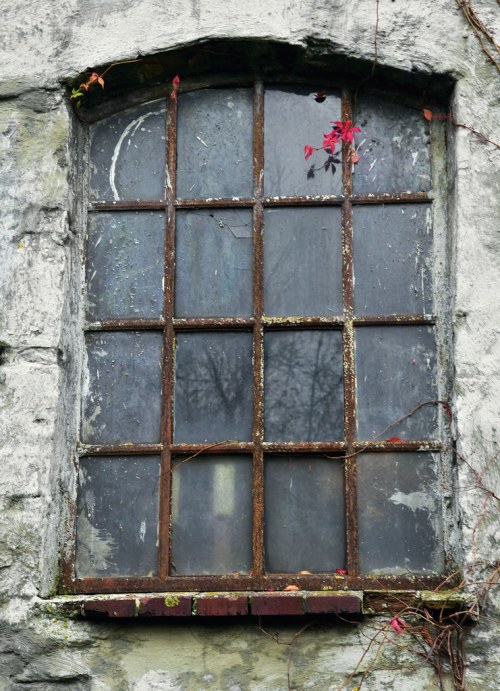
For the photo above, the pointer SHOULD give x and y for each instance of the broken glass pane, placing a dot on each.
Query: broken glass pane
(125, 253)
(303, 387)
(213, 265)
(123, 388)
(213, 387)
(214, 143)
(392, 250)
(116, 532)
(127, 154)
(394, 148)
(302, 262)
(304, 507)
(212, 515)
(399, 512)
(395, 371)
(292, 119)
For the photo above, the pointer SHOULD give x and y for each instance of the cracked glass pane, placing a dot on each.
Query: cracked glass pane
(213, 263)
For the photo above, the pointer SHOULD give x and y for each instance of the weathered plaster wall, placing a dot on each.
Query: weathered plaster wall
(43, 44)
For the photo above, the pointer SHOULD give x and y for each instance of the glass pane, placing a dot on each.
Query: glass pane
(123, 388)
(125, 253)
(393, 147)
(213, 387)
(395, 371)
(304, 527)
(302, 262)
(128, 154)
(399, 514)
(214, 143)
(292, 119)
(392, 249)
(303, 387)
(213, 267)
(212, 515)
(117, 524)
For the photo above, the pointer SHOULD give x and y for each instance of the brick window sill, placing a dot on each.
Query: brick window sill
(222, 604)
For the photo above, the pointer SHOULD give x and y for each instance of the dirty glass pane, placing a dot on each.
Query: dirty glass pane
(292, 119)
(214, 143)
(117, 523)
(125, 253)
(303, 387)
(127, 154)
(213, 265)
(395, 371)
(392, 250)
(123, 388)
(213, 387)
(304, 506)
(394, 148)
(302, 262)
(212, 515)
(399, 514)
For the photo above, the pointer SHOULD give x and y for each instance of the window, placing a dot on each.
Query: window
(252, 331)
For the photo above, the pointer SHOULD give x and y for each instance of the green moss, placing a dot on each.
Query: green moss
(171, 601)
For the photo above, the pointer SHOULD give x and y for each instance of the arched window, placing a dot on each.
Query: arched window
(258, 328)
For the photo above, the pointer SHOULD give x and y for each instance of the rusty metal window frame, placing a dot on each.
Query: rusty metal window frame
(344, 451)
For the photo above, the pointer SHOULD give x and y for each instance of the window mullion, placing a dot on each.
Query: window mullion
(258, 334)
(168, 347)
(348, 352)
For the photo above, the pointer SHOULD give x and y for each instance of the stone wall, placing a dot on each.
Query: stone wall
(45, 45)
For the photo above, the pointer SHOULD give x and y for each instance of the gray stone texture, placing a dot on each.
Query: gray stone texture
(44, 44)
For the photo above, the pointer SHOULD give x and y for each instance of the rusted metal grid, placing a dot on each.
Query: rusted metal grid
(342, 451)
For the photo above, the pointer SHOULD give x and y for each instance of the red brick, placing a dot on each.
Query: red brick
(168, 606)
(109, 608)
(277, 603)
(333, 604)
(222, 605)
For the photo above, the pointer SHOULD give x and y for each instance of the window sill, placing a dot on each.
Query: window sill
(222, 604)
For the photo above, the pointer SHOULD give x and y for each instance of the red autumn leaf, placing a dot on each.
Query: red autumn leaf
(329, 140)
(396, 440)
(320, 97)
(308, 151)
(396, 626)
(355, 158)
(342, 572)
(345, 130)
(100, 81)
(427, 114)
(175, 85)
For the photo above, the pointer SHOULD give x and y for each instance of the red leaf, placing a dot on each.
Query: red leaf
(355, 158)
(308, 151)
(396, 440)
(176, 81)
(342, 572)
(427, 114)
(395, 625)
(320, 97)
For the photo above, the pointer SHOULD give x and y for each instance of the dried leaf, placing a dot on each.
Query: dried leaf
(289, 588)
(305, 573)
(355, 158)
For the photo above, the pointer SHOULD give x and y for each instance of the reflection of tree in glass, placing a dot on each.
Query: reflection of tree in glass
(303, 386)
(214, 387)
